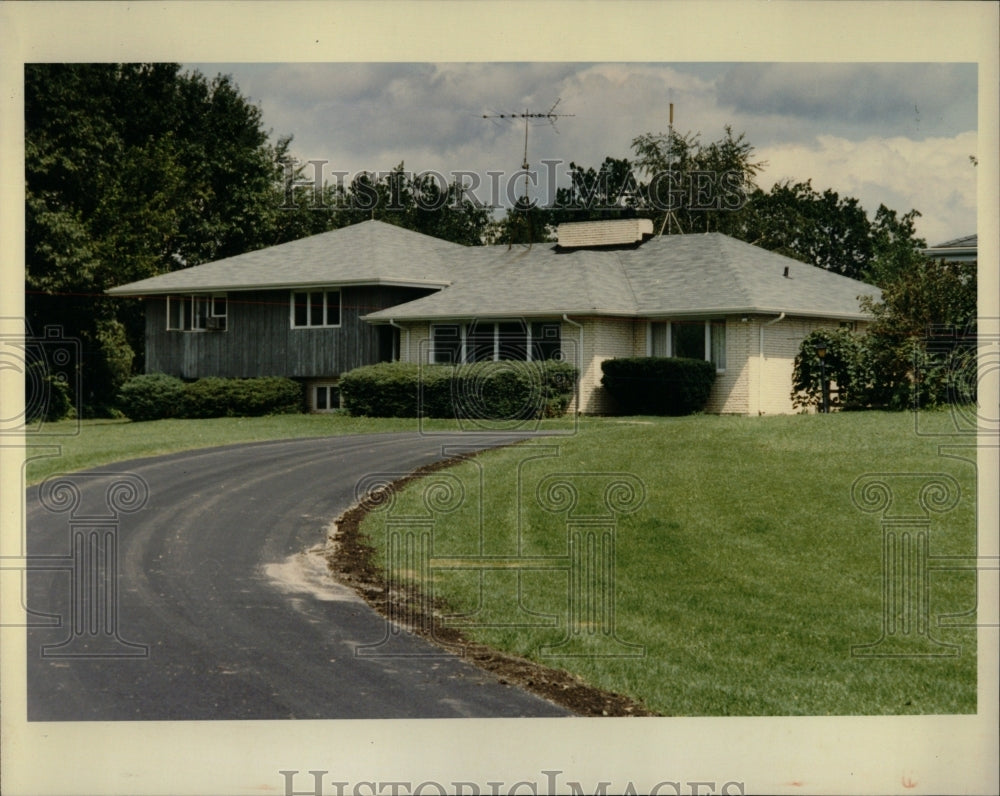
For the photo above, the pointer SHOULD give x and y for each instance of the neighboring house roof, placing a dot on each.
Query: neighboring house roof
(672, 275)
(964, 248)
(371, 252)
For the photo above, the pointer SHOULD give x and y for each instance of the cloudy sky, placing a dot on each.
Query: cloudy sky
(900, 134)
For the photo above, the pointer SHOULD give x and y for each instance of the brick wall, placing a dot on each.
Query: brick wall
(603, 338)
(750, 384)
(731, 391)
(772, 393)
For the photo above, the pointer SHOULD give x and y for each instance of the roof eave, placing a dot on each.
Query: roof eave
(386, 316)
(125, 291)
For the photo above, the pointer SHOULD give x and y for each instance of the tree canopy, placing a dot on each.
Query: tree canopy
(134, 170)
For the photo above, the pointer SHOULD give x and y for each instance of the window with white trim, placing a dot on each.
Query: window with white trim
(324, 397)
(689, 339)
(197, 313)
(495, 341)
(315, 309)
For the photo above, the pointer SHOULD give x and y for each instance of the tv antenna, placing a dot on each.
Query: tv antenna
(670, 162)
(550, 116)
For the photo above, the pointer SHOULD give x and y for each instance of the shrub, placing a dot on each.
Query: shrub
(215, 397)
(270, 395)
(506, 390)
(151, 397)
(157, 396)
(658, 385)
(388, 389)
(845, 365)
(46, 396)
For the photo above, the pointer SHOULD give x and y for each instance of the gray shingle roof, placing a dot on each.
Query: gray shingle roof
(672, 275)
(967, 241)
(371, 252)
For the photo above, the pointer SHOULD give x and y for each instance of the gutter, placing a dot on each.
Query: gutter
(579, 358)
(760, 374)
(393, 323)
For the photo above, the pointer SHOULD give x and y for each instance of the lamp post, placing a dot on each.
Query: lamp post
(824, 386)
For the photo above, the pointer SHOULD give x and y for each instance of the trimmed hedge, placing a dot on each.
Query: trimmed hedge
(658, 385)
(151, 397)
(484, 390)
(156, 396)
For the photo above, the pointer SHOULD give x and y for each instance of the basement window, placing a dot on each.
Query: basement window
(324, 397)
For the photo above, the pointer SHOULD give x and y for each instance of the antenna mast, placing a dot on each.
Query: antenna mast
(550, 115)
(670, 178)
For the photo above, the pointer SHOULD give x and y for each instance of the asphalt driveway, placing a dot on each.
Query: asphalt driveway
(200, 600)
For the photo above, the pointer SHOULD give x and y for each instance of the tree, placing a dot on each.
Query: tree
(701, 185)
(609, 192)
(843, 367)
(418, 201)
(922, 335)
(823, 229)
(523, 224)
(134, 170)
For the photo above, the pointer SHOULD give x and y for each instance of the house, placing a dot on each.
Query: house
(318, 307)
(964, 249)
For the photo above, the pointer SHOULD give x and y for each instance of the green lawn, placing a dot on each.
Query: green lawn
(91, 443)
(746, 577)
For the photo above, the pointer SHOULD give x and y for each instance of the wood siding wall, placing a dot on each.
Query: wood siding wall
(260, 341)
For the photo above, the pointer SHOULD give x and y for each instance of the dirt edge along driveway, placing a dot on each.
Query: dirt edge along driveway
(351, 561)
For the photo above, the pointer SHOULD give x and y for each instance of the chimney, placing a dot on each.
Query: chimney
(597, 234)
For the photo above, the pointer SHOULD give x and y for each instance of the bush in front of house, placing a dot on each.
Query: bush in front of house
(217, 397)
(845, 365)
(505, 390)
(658, 385)
(388, 389)
(153, 396)
(156, 396)
(511, 390)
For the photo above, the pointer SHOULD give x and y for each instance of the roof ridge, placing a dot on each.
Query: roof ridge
(737, 272)
(628, 281)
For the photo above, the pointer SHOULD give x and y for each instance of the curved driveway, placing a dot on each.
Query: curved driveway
(220, 613)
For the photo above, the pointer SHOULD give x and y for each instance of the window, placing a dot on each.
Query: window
(315, 309)
(447, 343)
(546, 341)
(659, 339)
(689, 339)
(717, 344)
(325, 398)
(196, 313)
(491, 341)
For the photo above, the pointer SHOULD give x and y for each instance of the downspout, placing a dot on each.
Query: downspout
(579, 358)
(392, 322)
(760, 374)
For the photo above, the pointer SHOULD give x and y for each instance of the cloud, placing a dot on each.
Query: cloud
(897, 134)
(933, 176)
(920, 99)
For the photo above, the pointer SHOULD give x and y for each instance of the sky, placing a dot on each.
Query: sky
(899, 134)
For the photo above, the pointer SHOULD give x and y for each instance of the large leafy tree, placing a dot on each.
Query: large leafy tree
(692, 186)
(420, 201)
(133, 170)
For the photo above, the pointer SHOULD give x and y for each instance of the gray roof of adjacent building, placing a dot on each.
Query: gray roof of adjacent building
(672, 275)
(965, 249)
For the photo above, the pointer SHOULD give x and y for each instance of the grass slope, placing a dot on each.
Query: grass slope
(747, 576)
